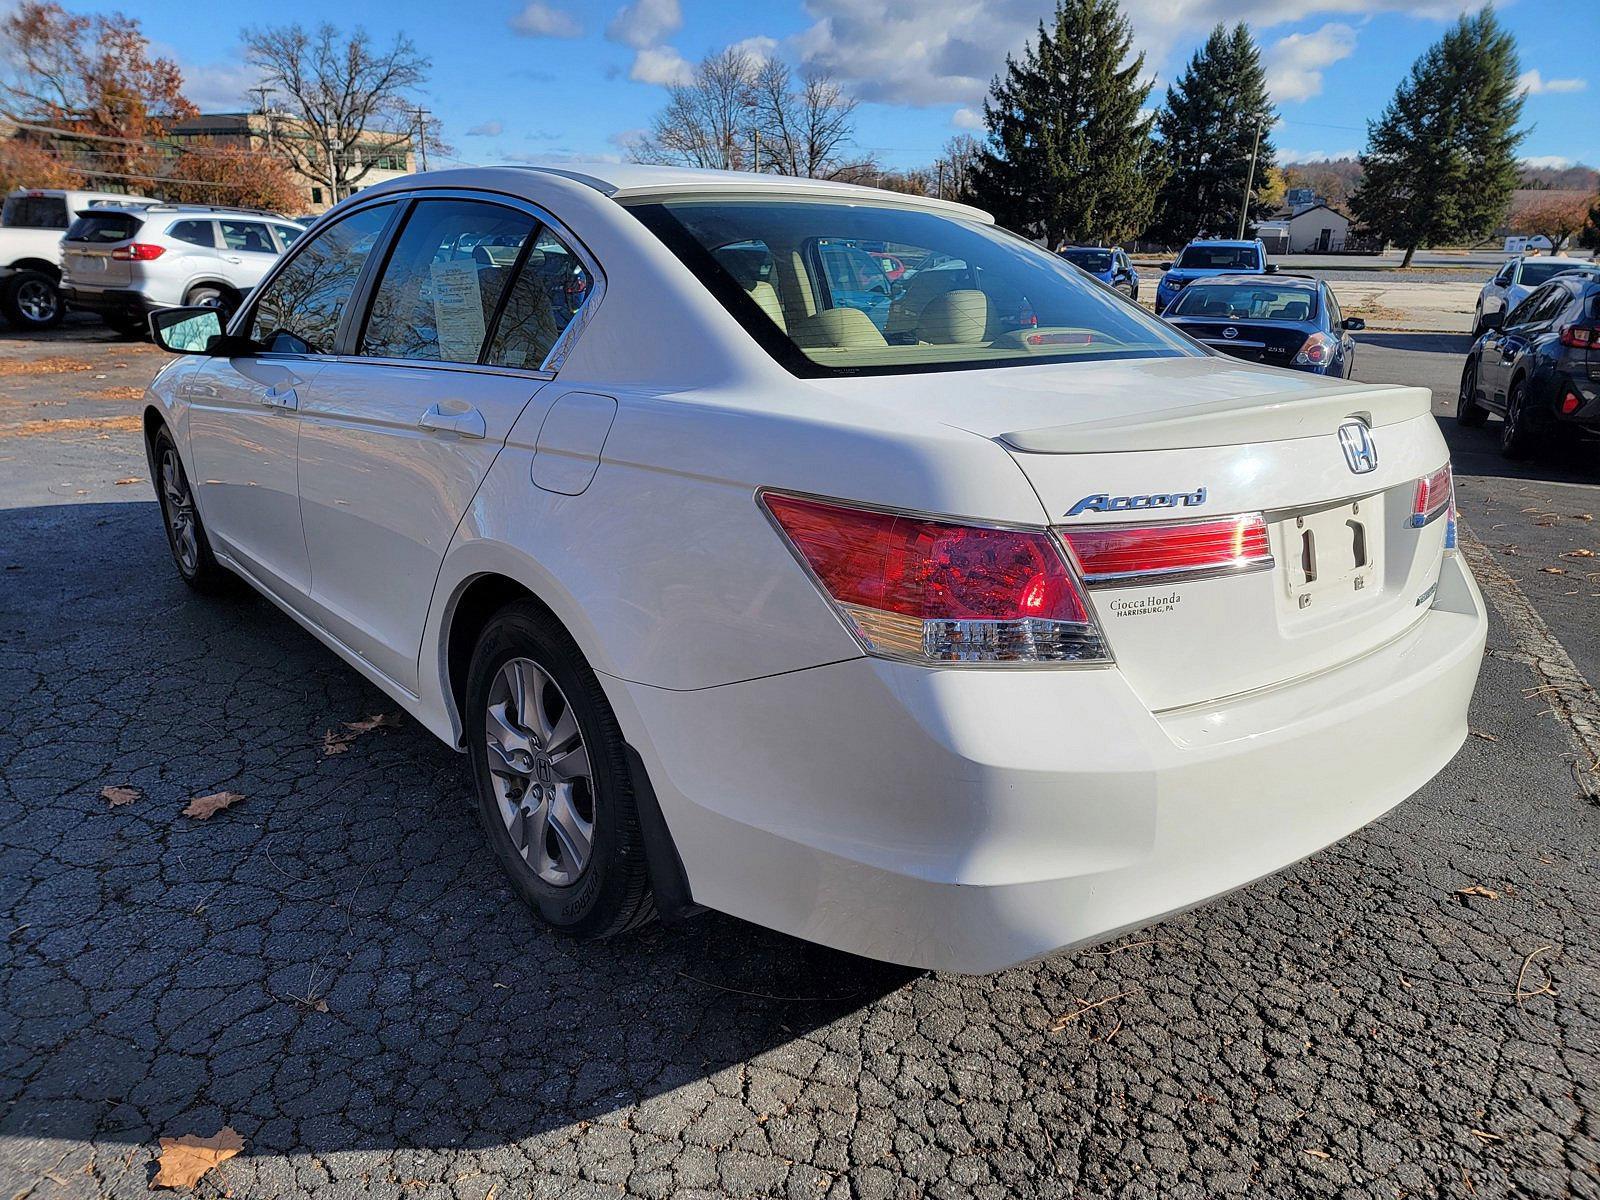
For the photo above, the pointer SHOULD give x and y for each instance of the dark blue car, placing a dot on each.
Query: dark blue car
(1283, 321)
(1108, 266)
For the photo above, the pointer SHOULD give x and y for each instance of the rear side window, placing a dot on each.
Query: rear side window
(299, 311)
(103, 227)
(196, 233)
(253, 237)
(288, 234)
(35, 212)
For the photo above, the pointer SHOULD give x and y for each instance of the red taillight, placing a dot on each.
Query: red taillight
(1432, 496)
(1581, 337)
(1571, 403)
(1317, 351)
(138, 252)
(939, 591)
(1118, 554)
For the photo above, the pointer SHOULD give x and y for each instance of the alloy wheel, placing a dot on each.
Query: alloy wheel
(37, 301)
(179, 503)
(540, 772)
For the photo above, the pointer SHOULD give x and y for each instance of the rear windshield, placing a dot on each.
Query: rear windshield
(1226, 258)
(1089, 260)
(1535, 272)
(852, 289)
(104, 227)
(35, 212)
(1245, 302)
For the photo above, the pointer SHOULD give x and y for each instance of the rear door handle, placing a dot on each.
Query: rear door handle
(467, 423)
(284, 399)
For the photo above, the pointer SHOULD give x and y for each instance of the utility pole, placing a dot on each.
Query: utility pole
(941, 179)
(422, 134)
(1249, 182)
(756, 134)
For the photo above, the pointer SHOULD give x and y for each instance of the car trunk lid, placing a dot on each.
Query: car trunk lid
(1274, 343)
(88, 245)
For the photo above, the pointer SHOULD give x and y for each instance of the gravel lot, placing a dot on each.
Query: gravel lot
(333, 967)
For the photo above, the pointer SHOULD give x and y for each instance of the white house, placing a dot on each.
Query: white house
(1316, 230)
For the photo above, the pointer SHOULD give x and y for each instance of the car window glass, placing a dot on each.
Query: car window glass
(249, 236)
(1246, 301)
(552, 285)
(1506, 272)
(442, 284)
(196, 233)
(298, 312)
(34, 212)
(288, 234)
(1335, 317)
(104, 227)
(1538, 271)
(1226, 258)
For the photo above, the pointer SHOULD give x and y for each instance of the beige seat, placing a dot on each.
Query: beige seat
(959, 317)
(837, 329)
(766, 298)
(905, 312)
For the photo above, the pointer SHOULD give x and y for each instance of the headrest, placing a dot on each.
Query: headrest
(958, 317)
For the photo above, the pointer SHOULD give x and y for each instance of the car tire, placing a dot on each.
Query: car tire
(31, 301)
(186, 533)
(1469, 413)
(1518, 438)
(127, 324)
(211, 296)
(555, 795)
(1478, 326)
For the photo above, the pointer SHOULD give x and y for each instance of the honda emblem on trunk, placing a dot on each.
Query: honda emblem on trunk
(1360, 451)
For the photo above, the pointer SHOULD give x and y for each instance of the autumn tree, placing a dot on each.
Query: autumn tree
(1556, 215)
(206, 171)
(25, 162)
(1589, 236)
(349, 102)
(92, 76)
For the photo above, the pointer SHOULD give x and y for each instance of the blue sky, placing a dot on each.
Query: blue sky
(554, 79)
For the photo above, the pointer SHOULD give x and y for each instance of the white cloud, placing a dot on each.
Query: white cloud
(487, 129)
(758, 47)
(967, 118)
(1534, 84)
(1295, 63)
(1555, 161)
(662, 65)
(624, 138)
(1286, 155)
(221, 86)
(541, 20)
(934, 52)
(645, 22)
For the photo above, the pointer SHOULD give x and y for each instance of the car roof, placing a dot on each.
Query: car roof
(1221, 242)
(1254, 280)
(1564, 261)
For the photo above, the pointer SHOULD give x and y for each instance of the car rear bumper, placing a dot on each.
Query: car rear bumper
(968, 820)
(117, 301)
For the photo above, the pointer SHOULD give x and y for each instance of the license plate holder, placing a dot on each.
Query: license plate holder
(1333, 551)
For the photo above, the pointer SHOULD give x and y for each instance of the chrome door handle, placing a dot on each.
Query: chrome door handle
(468, 423)
(202, 391)
(233, 258)
(284, 399)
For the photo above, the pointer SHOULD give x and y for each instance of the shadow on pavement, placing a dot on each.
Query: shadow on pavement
(334, 962)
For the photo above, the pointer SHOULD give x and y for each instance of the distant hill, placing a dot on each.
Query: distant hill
(1577, 178)
(1338, 177)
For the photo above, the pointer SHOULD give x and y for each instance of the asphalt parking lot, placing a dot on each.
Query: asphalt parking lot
(334, 968)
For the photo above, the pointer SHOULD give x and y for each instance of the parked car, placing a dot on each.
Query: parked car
(1283, 321)
(950, 650)
(127, 262)
(31, 224)
(1538, 366)
(1520, 275)
(1108, 266)
(1201, 259)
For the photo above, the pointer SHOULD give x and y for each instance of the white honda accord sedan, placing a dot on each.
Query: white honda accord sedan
(950, 618)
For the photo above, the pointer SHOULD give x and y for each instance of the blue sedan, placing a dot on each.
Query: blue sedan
(1108, 266)
(1284, 321)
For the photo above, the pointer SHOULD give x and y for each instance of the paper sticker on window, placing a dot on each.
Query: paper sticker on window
(457, 309)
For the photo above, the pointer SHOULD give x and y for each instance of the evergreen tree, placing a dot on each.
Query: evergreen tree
(1069, 155)
(1208, 126)
(1440, 163)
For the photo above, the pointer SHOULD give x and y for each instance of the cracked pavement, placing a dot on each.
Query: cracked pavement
(1356, 1026)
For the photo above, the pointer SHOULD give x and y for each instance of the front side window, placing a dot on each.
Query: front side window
(1219, 258)
(1245, 302)
(34, 212)
(1528, 312)
(441, 288)
(298, 311)
(196, 233)
(808, 279)
(253, 237)
(288, 234)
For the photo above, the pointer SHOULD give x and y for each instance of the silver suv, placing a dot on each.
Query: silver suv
(129, 261)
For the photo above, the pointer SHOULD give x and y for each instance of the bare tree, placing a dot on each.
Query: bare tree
(706, 122)
(350, 104)
(804, 130)
(953, 170)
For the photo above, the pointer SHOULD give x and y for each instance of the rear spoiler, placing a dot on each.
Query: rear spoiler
(1232, 422)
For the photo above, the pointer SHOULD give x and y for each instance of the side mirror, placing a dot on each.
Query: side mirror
(1494, 320)
(1166, 266)
(1272, 268)
(186, 330)
(1352, 323)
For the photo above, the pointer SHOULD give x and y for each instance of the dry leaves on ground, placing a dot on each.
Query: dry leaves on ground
(117, 796)
(118, 393)
(42, 366)
(74, 425)
(1578, 554)
(128, 480)
(1554, 570)
(185, 1159)
(203, 808)
(337, 741)
(1478, 889)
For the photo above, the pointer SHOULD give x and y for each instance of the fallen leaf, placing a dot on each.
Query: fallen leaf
(1323, 1154)
(1478, 889)
(1486, 1136)
(128, 480)
(337, 741)
(1554, 570)
(185, 1159)
(1478, 733)
(1581, 516)
(202, 808)
(115, 796)
(1578, 554)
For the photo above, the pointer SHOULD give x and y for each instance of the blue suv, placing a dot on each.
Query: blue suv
(1110, 267)
(1202, 259)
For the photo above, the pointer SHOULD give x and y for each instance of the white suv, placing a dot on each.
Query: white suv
(31, 226)
(127, 262)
